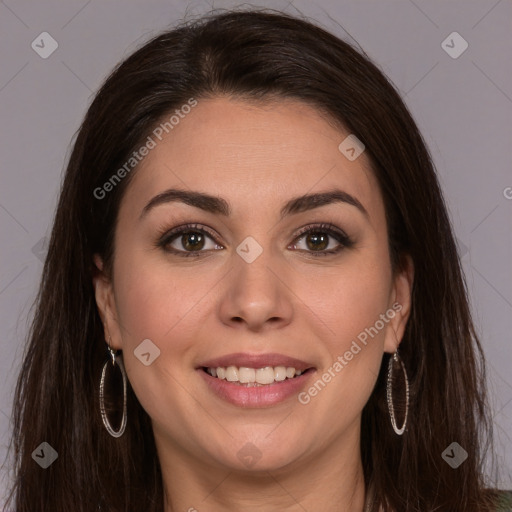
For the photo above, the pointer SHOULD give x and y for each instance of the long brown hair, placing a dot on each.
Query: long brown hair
(257, 54)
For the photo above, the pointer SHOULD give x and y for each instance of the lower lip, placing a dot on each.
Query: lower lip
(256, 396)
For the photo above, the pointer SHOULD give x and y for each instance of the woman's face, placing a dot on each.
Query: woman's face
(251, 291)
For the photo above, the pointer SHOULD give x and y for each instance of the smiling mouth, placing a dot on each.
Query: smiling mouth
(255, 377)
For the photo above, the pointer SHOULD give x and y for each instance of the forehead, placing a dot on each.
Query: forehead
(253, 154)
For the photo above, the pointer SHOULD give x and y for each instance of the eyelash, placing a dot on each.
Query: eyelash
(327, 228)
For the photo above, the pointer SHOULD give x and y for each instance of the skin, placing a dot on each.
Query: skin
(288, 301)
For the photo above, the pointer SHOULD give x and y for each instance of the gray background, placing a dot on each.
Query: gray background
(463, 107)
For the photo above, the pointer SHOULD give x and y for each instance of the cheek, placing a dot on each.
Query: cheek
(151, 299)
(153, 306)
(358, 295)
(145, 306)
(162, 304)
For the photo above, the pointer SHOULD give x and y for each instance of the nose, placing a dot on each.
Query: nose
(257, 295)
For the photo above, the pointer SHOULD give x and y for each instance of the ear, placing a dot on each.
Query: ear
(105, 301)
(400, 303)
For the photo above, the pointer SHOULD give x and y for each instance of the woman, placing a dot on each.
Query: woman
(252, 297)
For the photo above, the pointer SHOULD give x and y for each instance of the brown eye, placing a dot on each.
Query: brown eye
(318, 238)
(192, 241)
(188, 240)
(317, 241)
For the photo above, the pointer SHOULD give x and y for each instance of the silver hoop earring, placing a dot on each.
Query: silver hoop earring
(104, 417)
(396, 359)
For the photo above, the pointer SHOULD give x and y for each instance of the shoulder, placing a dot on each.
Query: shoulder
(504, 501)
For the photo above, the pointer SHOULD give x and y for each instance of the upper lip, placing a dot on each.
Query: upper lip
(256, 361)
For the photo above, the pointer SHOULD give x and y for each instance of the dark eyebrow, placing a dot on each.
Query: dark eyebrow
(217, 205)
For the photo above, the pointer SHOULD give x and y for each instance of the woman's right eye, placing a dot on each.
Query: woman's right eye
(187, 241)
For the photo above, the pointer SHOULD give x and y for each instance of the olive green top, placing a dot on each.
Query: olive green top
(505, 502)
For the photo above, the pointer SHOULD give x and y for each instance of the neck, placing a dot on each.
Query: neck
(331, 481)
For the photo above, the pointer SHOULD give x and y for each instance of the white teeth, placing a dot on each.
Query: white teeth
(279, 373)
(247, 375)
(252, 376)
(232, 373)
(265, 375)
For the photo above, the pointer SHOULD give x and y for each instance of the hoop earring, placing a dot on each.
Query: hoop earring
(104, 417)
(389, 391)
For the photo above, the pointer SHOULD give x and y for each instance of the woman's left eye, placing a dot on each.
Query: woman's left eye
(317, 238)
(192, 239)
